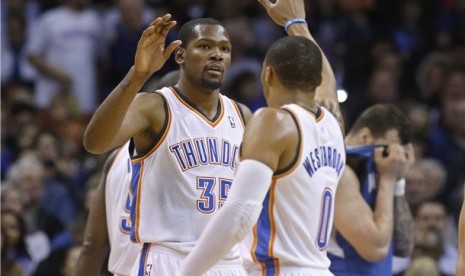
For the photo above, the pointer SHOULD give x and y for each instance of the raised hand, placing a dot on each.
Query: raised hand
(151, 54)
(283, 10)
(393, 165)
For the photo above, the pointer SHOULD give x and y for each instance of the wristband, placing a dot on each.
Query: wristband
(293, 21)
(399, 188)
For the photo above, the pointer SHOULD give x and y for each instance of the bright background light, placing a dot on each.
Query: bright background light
(342, 95)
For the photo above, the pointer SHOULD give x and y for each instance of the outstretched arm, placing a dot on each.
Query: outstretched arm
(281, 12)
(119, 117)
(461, 260)
(96, 244)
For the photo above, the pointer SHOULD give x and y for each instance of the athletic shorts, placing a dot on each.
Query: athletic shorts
(290, 271)
(160, 261)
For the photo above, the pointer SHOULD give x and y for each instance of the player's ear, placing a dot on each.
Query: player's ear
(364, 136)
(268, 74)
(179, 55)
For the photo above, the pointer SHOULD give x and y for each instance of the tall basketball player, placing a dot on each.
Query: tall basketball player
(109, 224)
(292, 159)
(186, 141)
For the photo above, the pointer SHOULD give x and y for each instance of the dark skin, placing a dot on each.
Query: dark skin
(96, 243)
(126, 114)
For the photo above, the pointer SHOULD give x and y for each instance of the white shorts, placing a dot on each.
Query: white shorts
(160, 261)
(290, 271)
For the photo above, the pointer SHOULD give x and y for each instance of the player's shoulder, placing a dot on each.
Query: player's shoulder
(270, 121)
(150, 100)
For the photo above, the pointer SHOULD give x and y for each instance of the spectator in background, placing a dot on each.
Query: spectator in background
(8, 265)
(432, 239)
(15, 233)
(129, 23)
(16, 70)
(64, 48)
(423, 266)
(425, 180)
(447, 139)
(48, 205)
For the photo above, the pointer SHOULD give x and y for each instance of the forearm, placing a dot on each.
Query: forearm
(109, 116)
(461, 259)
(329, 80)
(96, 244)
(328, 87)
(384, 212)
(236, 218)
(91, 260)
(404, 227)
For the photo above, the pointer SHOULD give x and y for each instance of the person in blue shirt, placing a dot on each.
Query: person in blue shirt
(372, 219)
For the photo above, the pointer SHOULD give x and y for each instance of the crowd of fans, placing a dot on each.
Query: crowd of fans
(60, 58)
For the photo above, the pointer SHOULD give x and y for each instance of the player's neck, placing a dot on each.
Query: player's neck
(205, 100)
(304, 99)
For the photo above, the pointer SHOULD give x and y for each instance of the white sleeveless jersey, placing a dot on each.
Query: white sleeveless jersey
(292, 232)
(123, 252)
(185, 179)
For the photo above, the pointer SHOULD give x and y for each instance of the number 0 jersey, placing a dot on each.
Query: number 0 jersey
(185, 178)
(292, 232)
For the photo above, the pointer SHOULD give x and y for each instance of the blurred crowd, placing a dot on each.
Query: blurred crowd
(61, 58)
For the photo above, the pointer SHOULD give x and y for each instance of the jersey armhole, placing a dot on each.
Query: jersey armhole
(135, 156)
(289, 168)
(239, 111)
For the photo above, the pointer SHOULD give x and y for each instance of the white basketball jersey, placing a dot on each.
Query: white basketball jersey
(184, 180)
(123, 252)
(292, 232)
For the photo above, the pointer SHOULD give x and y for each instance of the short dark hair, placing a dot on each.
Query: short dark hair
(297, 62)
(187, 30)
(380, 118)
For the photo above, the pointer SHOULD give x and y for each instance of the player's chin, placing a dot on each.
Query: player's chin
(212, 83)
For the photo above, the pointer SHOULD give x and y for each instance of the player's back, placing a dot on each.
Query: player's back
(123, 252)
(293, 229)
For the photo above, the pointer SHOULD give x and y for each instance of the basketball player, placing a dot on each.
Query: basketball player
(372, 218)
(186, 141)
(461, 260)
(292, 159)
(108, 224)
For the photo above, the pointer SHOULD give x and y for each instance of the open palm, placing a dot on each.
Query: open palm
(151, 54)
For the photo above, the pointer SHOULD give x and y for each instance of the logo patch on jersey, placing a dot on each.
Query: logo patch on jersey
(231, 121)
(148, 270)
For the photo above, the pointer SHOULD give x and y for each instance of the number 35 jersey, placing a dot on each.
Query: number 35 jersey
(185, 178)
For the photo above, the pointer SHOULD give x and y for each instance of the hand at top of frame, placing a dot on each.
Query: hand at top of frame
(151, 54)
(283, 10)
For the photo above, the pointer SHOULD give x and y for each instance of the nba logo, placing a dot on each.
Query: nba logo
(231, 121)
(148, 269)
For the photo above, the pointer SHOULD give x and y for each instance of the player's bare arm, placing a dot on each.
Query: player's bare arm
(371, 235)
(246, 112)
(461, 260)
(283, 10)
(404, 225)
(274, 146)
(123, 115)
(96, 243)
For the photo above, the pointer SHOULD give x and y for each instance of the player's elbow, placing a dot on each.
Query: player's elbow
(374, 254)
(90, 144)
